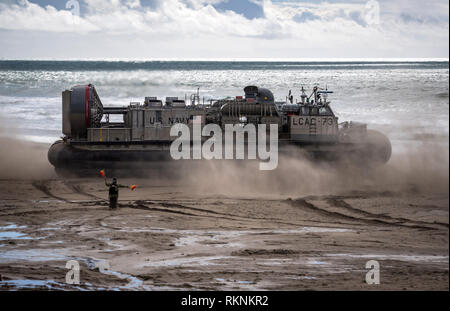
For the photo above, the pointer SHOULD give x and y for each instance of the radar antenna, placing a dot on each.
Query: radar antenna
(290, 97)
(303, 96)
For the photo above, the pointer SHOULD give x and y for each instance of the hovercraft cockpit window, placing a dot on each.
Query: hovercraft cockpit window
(325, 111)
(305, 111)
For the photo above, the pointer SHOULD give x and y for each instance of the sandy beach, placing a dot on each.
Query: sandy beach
(222, 233)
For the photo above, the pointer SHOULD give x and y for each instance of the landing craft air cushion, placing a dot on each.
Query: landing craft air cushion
(91, 140)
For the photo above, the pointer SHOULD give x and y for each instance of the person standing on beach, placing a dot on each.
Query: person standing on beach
(114, 192)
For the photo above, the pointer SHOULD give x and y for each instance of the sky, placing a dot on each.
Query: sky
(223, 29)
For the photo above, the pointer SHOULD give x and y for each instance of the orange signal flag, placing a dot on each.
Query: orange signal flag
(102, 173)
(133, 187)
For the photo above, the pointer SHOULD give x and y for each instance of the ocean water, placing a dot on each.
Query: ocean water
(407, 100)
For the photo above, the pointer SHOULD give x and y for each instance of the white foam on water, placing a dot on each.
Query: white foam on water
(38, 139)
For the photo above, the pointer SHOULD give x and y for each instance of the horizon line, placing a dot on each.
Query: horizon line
(350, 59)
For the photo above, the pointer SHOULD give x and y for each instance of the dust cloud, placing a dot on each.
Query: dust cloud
(414, 169)
(21, 159)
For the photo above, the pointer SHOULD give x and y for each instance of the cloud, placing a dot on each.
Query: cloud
(249, 9)
(358, 18)
(58, 4)
(152, 4)
(419, 19)
(220, 28)
(305, 16)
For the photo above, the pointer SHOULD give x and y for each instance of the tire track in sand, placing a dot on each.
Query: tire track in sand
(167, 207)
(43, 186)
(142, 205)
(343, 204)
(304, 204)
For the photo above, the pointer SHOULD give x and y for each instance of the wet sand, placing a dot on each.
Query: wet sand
(171, 236)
